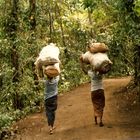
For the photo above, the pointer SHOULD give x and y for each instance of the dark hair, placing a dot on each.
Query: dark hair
(49, 78)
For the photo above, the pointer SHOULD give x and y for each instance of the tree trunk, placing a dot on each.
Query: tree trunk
(14, 52)
(91, 23)
(32, 18)
(32, 14)
(61, 24)
(51, 27)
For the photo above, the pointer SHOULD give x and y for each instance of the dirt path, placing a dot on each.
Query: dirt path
(75, 121)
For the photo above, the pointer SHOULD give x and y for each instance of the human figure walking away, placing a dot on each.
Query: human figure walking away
(97, 93)
(51, 91)
(95, 62)
(97, 96)
(48, 67)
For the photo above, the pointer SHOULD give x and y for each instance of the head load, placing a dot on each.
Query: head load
(97, 57)
(48, 62)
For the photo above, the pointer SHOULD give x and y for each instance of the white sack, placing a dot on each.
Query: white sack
(49, 51)
(95, 59)
(48, 55)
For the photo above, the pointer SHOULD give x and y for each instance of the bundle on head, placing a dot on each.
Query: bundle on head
(98, 59)
(49, 55)
(52, 70)
(97, 47)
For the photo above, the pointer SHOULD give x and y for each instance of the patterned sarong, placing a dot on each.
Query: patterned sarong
(98, 100)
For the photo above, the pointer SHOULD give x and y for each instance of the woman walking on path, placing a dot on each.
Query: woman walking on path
(48, 67)
(97, 93)
(51, 91)
(97, 96)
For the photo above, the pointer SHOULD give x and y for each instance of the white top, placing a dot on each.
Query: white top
(96, 80)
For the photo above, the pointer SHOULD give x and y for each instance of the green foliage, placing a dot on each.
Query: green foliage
(70, 26)
(137, 7)
(91, 5)
(5, 122)
(71, 77)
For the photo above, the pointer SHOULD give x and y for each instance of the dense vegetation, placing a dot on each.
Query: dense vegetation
(28, 25)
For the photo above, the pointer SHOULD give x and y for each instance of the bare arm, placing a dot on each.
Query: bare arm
(85, 67)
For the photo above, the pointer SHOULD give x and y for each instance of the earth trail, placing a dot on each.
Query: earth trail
(74, 117)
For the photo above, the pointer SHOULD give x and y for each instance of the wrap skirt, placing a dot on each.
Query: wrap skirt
(98, 100)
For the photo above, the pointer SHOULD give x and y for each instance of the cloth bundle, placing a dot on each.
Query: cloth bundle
(48, 62)
(52, 70)
(97, 47)
(97, 57)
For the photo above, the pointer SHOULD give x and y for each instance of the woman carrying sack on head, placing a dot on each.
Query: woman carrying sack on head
(51, 92)
(97, 94)
(95, 63)
(48, 67)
